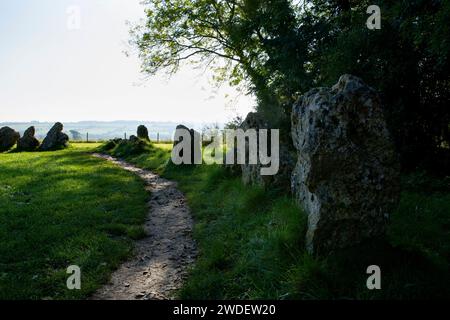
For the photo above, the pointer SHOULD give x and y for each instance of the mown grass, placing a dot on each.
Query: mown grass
(251, 242)
(64, 208)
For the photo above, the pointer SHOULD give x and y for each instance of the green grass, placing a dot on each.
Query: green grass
(251, 242)
(145, 155)
(249, 238)
(64, 208)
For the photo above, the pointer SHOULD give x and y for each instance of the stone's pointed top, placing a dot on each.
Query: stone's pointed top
(181, 126)
(58, 126)
(30, 132)
(194, 145)
(28, 142)
(253, 120)
(349, 83)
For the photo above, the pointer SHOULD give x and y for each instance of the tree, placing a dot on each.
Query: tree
(407, 61)
(279, 49)
(246, 42)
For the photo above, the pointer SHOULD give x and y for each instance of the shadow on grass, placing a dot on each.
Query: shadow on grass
(404, 275)
(60, 209)
(251, 244)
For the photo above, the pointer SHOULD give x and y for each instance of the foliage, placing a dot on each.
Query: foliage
(239, 39)
(145, 154)
(234, 123)
(122, 148)
(279, 49)
(407, 61)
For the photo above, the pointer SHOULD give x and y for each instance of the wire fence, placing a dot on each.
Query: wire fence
(157, 137)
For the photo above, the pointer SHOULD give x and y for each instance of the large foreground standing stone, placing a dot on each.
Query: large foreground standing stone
(55, 138)
(347, 173)
(28, 142)
(8, 138)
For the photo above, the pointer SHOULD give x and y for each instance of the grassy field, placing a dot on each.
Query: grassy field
(64, 208)
(251, 241)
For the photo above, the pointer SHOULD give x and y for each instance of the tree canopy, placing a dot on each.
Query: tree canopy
(279, 49)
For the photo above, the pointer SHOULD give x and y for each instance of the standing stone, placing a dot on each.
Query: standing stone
(55, 138)
(8, 138)
(347, 173)
(28, 142)
(142, 133)
(195, 146)
(251, 173)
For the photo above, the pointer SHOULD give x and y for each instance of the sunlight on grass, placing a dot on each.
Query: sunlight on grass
(62, 208)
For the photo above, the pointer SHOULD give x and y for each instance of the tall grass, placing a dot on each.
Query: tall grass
(251, 242)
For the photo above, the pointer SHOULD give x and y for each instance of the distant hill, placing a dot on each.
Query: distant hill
(103, 130)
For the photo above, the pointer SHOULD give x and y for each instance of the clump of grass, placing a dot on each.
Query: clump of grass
(124, 148)
(248, 237)
(142, 153)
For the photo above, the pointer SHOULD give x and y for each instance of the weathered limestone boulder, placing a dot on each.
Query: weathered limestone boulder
(251, 173)
(347, 173)
(28, 142)
(195, 145)
(55, 139)
(142, 132)
(8, 138)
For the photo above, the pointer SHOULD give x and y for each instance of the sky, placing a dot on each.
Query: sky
(63, 60)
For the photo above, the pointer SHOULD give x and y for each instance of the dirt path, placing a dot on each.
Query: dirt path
(160, 264)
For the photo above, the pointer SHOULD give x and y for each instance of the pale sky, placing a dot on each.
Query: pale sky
(50, 72)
